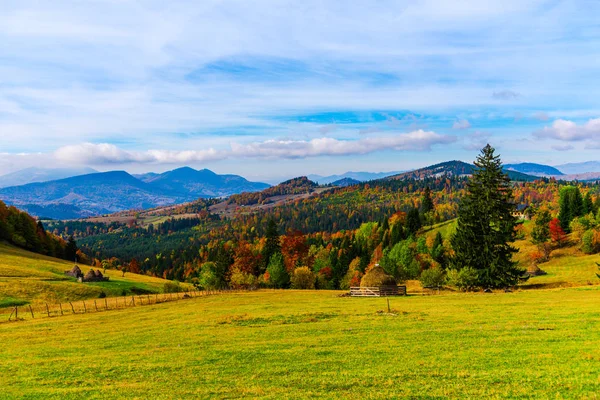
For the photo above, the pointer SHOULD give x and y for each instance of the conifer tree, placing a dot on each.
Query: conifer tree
(71, 249)
(486, 225)
(426, 202)
(413, 221)
(272, 245)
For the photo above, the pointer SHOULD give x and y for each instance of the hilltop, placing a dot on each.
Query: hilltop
(27, 277)
(455, 168)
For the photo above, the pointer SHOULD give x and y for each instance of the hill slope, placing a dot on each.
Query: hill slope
(109, 192)
(533, 169)
(454, 168)
(27, 277)
(32, 175)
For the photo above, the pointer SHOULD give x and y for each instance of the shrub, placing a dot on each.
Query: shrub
(242, 280)
(464, 279)
(172, 287)
(303, 278)
(102, 295)
(589, 242)
(433, 277)
(353, 275)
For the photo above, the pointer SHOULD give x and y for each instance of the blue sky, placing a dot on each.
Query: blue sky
(274, 89)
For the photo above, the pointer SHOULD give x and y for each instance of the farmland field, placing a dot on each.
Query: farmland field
(306, 344)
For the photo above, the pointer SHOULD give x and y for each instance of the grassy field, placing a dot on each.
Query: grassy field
(32, 278)
(307, 344)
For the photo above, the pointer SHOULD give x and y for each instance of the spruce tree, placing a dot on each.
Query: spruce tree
(426, 202)
(71, 249)
(272, 245)
(486, 225)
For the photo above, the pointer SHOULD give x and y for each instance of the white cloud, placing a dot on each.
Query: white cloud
(570, 131)
(541, 116)
(414, 141)
(506, 95)
(106, 154)
(562, 147)
(461, 124)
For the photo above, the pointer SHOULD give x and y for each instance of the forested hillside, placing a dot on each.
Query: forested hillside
(20, 229)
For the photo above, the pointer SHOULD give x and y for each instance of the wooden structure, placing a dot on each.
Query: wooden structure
(378, 291)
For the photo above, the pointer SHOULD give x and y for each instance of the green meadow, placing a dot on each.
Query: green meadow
(29, 278)
(307, 344)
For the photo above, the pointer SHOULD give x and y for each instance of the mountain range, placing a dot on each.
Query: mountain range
(108, 192)
(34, 174)
(455, 168)
(355, 176)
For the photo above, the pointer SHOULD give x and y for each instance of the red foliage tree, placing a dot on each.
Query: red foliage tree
(294, 250)
(557, 234)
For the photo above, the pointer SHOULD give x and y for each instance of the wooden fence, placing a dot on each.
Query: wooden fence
(47, 310)
(378, 291)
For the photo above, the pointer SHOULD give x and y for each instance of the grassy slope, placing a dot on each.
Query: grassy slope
(294, 344)
(568, 266)
(32, 278)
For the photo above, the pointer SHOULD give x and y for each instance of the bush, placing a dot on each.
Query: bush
(242, 280)
(433, 277)
(464, 279)
(589, 242)
(172, 287)
(303, 278)
(102, 295)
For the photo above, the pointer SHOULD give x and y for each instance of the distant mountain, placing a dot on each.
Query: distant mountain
(345, 182)
(33, 174)
(579, 168)
(454, 168)
(203, 183)
(534, 169)
(358, 176)
(108, 192)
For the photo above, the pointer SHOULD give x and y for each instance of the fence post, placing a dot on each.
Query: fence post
(105, 304)
(72, 308)
(133, 300)
(61, 310)
(11, 313)
(84, 308)
(47, 310)
(31, 310)
(16, 312)
(96, 305)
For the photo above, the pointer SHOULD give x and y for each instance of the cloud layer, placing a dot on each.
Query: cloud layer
(107, 154)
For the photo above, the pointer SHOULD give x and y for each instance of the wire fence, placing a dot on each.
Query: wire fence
(47, 310)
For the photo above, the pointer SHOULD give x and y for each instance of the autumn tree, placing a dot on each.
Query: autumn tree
(278, 276)
(540, 234)
(557, 234)
(486, 225)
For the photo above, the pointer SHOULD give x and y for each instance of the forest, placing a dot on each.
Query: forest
(332, 237)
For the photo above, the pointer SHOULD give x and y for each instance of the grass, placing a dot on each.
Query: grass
(27, 277)
(308, 344)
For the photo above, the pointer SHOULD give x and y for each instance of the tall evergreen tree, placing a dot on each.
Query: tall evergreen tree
(486, 225)
(272, 245)
(588, 204)
(413, 221)
(71, 249)
(426, 202)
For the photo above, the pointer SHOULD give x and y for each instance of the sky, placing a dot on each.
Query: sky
(275, 89)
